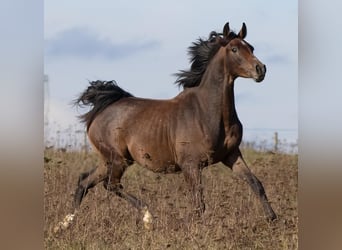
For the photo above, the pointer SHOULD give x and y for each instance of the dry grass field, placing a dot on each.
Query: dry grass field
(233, 218)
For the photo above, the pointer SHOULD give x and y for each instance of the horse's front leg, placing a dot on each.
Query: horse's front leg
(192, 174)
(236, 162)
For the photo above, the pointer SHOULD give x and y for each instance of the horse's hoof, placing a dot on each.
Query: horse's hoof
(272, 217)
(64, 224)
(147, 219)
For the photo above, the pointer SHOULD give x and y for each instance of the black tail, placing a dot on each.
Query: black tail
(99, 95)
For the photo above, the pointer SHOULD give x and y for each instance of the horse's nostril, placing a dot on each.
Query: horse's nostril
(258, 69)
(261, 70)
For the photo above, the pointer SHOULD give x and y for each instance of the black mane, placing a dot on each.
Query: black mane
(201, 52)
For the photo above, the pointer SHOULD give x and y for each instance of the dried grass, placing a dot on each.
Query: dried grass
(233, 218)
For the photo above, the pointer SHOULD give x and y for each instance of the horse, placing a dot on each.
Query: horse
(193, 130)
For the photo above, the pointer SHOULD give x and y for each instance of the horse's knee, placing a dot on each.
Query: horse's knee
(112, 181)
(112, 186)
(82, 177)
(80, 181)
(85, 175)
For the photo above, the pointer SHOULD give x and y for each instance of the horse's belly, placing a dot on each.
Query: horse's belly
(158, 165)
(156, 159)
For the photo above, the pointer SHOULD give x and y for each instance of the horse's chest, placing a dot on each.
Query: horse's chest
(233, 136)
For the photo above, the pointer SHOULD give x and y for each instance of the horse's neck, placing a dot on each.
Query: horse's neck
(217, 89)
(228, 104)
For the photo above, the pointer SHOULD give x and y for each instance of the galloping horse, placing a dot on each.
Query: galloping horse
(196, 128)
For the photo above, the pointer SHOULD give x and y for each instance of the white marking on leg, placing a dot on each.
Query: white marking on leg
(65, 223)
(147, 219)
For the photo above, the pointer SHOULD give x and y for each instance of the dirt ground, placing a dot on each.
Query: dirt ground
(233, 219)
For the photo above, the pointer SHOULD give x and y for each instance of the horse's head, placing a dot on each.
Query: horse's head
(239, 57)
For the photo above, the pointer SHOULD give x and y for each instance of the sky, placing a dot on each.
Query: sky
(142, 44)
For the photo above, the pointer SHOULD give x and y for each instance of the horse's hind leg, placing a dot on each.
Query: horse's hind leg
(86, 181)
(239, 166)
(112, 183)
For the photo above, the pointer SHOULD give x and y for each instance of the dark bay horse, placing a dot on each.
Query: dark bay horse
(197, 128)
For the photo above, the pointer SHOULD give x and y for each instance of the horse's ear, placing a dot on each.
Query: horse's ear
(243, 31)
(226, 30)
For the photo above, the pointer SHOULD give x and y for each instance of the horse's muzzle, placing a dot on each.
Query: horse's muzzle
(261, 71)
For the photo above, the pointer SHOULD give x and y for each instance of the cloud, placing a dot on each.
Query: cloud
(83, 43)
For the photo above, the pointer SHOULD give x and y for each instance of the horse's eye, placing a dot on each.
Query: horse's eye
(234, 49)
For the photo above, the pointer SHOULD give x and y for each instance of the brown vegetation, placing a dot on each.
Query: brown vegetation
(233, 218)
